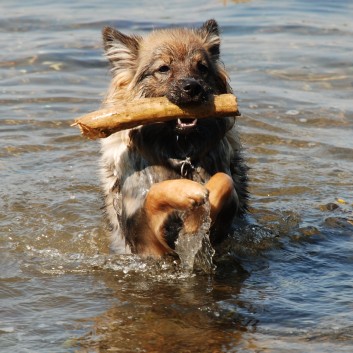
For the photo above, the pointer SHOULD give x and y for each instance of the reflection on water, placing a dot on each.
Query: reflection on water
(281, 284)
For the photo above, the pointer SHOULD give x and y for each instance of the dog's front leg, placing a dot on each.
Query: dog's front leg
(165, 198)
(224, 203)
(222, 193)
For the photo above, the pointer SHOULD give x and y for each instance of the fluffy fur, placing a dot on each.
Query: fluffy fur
(183, 65)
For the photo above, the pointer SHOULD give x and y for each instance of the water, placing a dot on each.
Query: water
(290, 65)
(193, 246)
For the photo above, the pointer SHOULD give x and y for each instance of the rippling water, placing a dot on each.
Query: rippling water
(290, 64)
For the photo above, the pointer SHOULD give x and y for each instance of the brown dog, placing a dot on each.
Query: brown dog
(156, 177)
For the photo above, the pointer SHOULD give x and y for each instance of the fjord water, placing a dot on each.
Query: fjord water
(290, 64)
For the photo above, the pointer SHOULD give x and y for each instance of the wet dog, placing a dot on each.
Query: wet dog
(157, 177)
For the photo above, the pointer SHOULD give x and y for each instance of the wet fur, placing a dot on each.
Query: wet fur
(135, 160)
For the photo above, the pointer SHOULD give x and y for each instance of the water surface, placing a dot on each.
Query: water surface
(290, 64)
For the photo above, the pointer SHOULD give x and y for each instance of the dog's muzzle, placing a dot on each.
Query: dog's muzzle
(187, 91)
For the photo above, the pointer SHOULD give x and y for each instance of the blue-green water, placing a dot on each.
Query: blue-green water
(290, 64)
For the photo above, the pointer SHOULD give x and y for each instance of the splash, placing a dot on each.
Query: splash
(193, 245)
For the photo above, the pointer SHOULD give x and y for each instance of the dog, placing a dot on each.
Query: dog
(156, 178)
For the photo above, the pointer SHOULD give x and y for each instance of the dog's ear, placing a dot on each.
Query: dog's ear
(120, 49)
(209, 32)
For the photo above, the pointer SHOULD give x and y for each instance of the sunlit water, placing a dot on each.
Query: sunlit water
(283, 284)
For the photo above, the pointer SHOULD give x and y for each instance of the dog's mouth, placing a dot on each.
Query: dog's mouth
(184, 126)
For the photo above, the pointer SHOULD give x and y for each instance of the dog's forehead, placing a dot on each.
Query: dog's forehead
(177, 44)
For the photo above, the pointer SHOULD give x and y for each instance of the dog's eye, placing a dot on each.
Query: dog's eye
(163, 69)
(202, 68)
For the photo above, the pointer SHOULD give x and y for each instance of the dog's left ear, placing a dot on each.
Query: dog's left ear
(120, 49)
(209, 31)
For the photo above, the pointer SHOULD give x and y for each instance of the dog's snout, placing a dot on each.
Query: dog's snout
(191, 87)
(187, 91)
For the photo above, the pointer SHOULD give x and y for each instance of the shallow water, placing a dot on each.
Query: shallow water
(290, 65)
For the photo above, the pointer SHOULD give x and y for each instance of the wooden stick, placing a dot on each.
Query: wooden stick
(104, 122)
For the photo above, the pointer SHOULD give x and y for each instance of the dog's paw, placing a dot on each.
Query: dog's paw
(196, 196)
(187, 194)
(180, 194)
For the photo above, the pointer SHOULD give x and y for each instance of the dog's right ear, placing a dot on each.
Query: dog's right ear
(120, 49)
(210, 33)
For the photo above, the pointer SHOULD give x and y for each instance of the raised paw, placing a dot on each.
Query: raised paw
(168, 196)
(193, 196)
(179, 194)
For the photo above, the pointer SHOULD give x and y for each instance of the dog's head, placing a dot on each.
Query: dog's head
(181, 64)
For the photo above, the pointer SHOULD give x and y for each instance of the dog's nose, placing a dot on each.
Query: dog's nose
(191, 87)
(187, 91)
